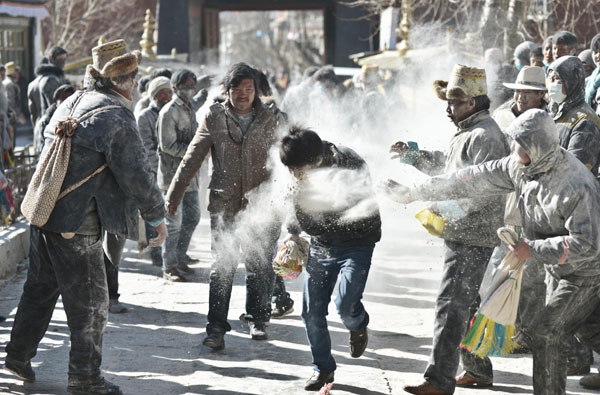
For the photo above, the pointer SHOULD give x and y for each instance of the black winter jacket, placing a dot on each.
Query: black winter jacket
(328, 228)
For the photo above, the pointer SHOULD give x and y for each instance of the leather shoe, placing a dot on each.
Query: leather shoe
(318, 380)
(174, 275)
(424, 389)
(101, 387)
(214, 340)
(22, 370)
(358, 342)
(188, 260)
(464, 380)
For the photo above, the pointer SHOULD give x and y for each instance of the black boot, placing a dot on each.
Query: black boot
(22, 370)
(101, 387)
(358, 342)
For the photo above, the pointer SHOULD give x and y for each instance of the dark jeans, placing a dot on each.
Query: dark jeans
(573, 308)
(258, 251)
(458, 297)
(74, 269)
(181, 228)
(322, 270)
(578, 354)
(281, 298)
(113, 246)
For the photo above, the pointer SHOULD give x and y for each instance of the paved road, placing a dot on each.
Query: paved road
(156, 347)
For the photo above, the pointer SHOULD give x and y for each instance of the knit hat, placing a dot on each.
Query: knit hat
(156, 85)
(465, 83)
(112, 60)
(529, 78)
(10, 68)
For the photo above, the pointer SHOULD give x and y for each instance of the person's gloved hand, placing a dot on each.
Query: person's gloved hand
(397, 192)
(406, 152)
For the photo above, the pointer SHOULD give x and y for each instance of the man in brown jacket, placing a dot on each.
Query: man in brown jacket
(239, 133)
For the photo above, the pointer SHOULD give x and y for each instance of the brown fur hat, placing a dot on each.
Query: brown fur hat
(112, 60)
(465, 83)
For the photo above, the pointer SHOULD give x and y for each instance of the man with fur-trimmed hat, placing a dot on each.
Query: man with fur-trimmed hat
(470, 228)
(109, 163)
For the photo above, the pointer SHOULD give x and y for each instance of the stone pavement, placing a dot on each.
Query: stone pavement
(156, 348)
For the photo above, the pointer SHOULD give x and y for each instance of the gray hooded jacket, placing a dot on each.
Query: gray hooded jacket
(559, 199)
(577, 123)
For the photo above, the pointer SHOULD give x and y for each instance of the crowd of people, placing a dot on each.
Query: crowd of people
(525, 154)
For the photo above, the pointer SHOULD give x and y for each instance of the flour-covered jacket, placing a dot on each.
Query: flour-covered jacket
(559, 199)
(239, 160)
(473, 220)
(577, 123)
(126, 185)
(146, 122)
(329, 227)
(176, 128)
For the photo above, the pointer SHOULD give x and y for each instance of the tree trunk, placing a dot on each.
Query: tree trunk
(517, 11)
(493, 19)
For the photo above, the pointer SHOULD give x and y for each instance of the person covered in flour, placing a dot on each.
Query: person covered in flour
(66, 256)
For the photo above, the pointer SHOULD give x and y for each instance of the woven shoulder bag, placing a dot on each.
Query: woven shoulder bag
(47, 180)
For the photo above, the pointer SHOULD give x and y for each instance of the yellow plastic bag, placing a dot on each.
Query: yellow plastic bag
(433, 223)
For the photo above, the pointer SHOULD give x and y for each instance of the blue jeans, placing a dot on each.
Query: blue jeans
(181, 228)
(324, 265)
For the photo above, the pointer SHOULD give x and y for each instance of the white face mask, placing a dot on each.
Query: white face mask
(555, 91)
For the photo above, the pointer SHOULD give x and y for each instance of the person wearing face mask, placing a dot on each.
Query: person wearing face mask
(66, 254)
(577, 123)
(522, 54)
(160, 92)
(529, 91)
(176, 126)
(579, 133)
(469, 232)
(592, 93)
(559, 202)
(239, 133)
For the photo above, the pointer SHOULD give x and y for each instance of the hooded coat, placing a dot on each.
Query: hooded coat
(577, 123)
(559, 200)
(239, 160)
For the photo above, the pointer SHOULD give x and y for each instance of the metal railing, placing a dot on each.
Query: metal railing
(19, 177)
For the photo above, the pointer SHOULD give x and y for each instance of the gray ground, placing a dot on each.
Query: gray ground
(156, 347)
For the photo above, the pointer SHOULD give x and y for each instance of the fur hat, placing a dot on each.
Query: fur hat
(464, 84)
(156, 85)
(10, 68)
(112, 60)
